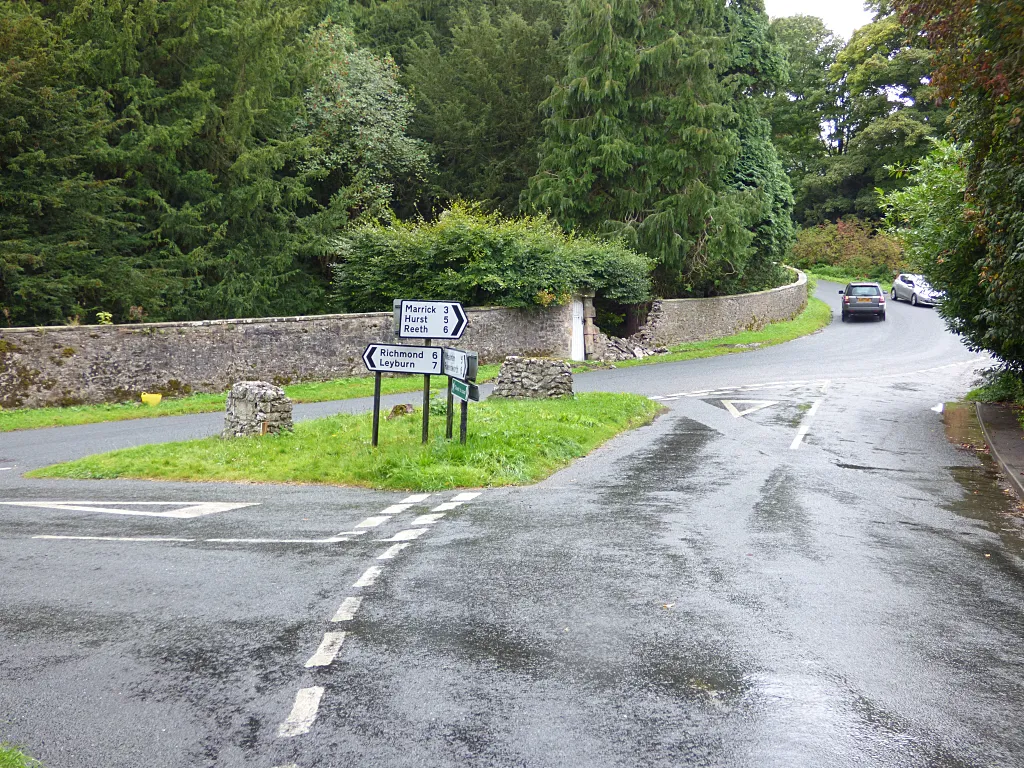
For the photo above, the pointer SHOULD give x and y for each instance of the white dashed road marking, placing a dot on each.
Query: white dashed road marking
(369, 576)
(373, 522)
(300, 720)
(347, 610)
(466, 496)
(938, 408)
(5, 469)
(416, 498)
(447, 506)
(394, 509)
(328, 649)
(427, 519)
(391, 551)
(409, 535)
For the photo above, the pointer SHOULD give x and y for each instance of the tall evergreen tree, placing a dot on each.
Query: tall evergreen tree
(638, 138)
(756, 68)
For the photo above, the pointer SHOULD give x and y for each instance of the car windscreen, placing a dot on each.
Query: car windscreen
(862, 290)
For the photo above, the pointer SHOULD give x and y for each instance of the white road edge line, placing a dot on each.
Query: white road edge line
(391, 551)
(369, 576)
(327, 651)
(303, 714)
(347, 610)
(111, 538)
(6, 469)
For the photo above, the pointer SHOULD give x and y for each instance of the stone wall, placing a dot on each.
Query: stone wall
(677, 321)
(67, 365)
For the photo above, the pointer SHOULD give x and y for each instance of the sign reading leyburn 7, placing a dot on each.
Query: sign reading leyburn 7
(400, 358)
(429, 319)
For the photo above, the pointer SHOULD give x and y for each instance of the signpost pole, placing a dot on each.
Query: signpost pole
(451, 403)
(463, 420)
(426, 401)
(376, 409)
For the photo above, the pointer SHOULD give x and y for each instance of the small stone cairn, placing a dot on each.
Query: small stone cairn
(257, 408)
(533, 377)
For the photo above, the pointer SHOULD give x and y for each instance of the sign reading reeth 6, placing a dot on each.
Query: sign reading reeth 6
(429, 319)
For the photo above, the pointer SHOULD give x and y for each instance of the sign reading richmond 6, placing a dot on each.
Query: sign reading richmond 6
(429, 319)
(399, 358)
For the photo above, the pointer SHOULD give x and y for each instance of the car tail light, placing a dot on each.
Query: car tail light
(881, 299)
(846, 299)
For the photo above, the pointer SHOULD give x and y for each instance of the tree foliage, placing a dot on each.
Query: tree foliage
(638, 138)
(482, 259)
(978, 51)
(477, 104)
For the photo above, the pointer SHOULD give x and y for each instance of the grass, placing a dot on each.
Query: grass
(510, 442)
(12, 757)
(1001, 386)
(310, 392)
(835, 275)
(815, 317)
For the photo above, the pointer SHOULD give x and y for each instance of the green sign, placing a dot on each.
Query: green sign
(464, 390)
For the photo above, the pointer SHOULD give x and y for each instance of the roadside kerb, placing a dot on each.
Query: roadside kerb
(1005, 468)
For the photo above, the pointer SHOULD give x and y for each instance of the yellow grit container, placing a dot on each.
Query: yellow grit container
(150, 398)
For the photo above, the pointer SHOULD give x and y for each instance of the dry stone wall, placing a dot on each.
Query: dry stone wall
(677, 321)
(69, 365)
(533, 377)
(257, 408)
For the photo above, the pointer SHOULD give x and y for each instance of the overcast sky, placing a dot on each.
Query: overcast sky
(841, 16)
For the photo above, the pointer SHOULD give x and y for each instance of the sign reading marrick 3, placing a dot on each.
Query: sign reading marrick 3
(429, 319)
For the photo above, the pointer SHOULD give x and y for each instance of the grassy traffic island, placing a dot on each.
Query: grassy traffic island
(510, 442)
(815, 317)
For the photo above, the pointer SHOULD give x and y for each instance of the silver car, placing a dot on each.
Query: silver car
(915, 289)
(863, 299)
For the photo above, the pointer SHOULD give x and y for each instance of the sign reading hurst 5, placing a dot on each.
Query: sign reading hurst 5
(429, 319)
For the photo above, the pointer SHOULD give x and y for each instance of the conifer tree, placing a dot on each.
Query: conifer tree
(638, 138)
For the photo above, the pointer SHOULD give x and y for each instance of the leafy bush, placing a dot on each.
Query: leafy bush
(481, 259)
(851, 248)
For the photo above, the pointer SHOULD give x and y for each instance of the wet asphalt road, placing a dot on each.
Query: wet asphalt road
(822, 579)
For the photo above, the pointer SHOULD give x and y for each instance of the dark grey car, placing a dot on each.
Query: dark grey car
(863, 299)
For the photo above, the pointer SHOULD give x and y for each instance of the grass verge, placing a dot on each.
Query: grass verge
(511, 442)
(12, 757)
(815, 317)
(310, 392)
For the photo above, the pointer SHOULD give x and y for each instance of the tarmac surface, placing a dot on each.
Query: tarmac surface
(792, 567)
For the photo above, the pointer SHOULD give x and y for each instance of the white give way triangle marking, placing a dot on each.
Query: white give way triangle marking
(752, 405)
(179, 509)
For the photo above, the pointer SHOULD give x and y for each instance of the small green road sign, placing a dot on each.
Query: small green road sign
(463, 390)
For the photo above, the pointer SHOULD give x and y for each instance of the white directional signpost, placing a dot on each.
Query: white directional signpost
(427, 320)
(461, 368)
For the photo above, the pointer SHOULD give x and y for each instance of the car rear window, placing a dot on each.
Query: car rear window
(863, 290)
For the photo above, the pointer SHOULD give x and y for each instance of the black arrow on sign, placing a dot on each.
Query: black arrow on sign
(368, 356)
(460, 322)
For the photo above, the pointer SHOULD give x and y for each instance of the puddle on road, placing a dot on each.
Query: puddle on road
(986, 495)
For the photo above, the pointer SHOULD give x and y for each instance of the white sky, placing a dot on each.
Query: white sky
(841, 16)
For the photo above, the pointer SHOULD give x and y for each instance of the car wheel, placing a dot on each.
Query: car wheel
(913, 300)
(843, 317)
(882, 317)
(892, 293)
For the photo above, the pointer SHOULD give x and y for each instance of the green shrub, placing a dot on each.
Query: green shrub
(851, 247)
(481, 260)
